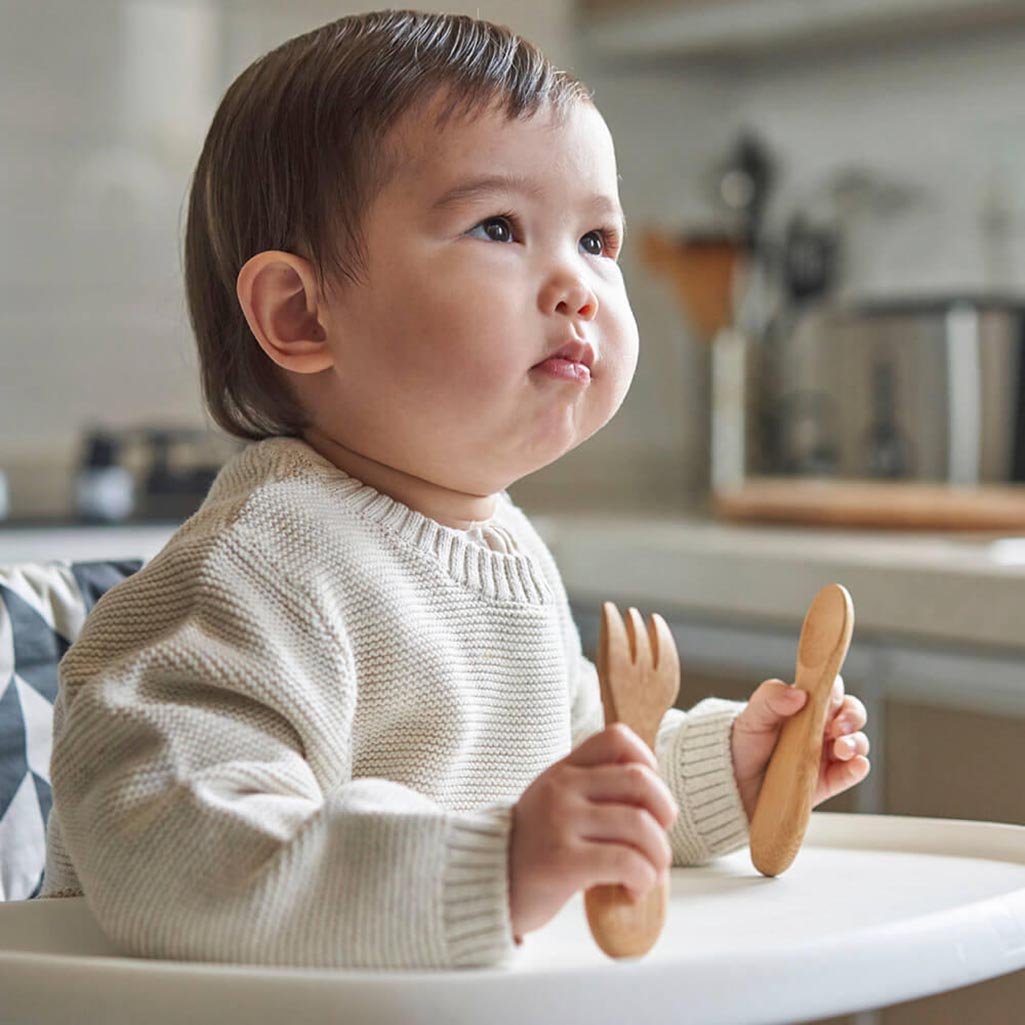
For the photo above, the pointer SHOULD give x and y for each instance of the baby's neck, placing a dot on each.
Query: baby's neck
(451, 508)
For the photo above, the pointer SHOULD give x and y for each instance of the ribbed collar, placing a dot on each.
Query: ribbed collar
(503, 576)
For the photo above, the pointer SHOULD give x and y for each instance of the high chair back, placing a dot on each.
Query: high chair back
(42, 608)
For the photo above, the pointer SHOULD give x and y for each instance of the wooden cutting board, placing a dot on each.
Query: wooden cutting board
(883, 504)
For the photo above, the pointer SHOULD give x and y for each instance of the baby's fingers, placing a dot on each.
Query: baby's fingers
(632, 784)
(838, 776)
(836, 697)
(846, 748)
(851, 717)
(616, 743)
(772, 703)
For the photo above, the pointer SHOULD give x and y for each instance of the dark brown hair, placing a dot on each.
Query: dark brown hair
(296, 153)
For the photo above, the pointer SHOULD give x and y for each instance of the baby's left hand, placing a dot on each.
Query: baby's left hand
(757, 728)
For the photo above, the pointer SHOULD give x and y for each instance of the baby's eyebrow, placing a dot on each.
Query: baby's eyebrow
(488, 184)
(485, 185)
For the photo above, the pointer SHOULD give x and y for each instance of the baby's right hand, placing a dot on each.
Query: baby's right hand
(597, 816)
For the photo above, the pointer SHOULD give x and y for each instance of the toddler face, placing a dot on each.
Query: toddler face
(494, 246)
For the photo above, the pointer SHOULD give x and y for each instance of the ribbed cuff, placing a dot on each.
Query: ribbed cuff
(478, 928)
(699, 771)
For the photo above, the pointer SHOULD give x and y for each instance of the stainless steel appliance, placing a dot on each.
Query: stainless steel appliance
(923, 389)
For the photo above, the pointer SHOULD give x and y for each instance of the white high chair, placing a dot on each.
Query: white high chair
(875, 910)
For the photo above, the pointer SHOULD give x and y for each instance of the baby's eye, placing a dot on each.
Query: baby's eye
(600, 242)
(496, 229)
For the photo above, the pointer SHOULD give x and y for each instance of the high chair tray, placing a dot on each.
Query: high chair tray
(875, 910)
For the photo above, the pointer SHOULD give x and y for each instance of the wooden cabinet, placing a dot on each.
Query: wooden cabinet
(952, 763)
(949, 763)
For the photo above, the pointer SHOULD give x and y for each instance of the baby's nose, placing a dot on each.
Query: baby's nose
(572, 299)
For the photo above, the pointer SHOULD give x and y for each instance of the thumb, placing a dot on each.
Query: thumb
(773, 702)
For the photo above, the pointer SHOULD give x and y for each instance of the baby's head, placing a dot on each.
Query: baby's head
(396, 219)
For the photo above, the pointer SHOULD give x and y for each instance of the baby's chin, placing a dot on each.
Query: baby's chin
(552, 447)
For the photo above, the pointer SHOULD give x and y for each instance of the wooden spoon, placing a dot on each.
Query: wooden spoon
(639, 674)
(784, 803)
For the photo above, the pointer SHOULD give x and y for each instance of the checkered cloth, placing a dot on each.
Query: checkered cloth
(42, 608)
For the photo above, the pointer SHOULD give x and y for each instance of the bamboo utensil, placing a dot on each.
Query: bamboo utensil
(639, 675)
(784, 803)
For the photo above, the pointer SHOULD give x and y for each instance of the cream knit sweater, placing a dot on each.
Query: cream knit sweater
(296, 735)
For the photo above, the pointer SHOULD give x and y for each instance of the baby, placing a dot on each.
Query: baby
(343, 717)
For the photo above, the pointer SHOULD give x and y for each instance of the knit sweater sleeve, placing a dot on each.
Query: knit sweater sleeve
(693, 750)
(199, 816)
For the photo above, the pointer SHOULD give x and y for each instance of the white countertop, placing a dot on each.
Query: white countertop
(942, 587)
(82, 543)
(957, 589)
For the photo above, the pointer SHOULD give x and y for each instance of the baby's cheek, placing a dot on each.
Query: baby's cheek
(618, 366)
(619, 332)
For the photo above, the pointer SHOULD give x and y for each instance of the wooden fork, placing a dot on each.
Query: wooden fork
(639, 674)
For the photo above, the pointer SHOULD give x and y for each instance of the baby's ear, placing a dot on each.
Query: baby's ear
(278, 296)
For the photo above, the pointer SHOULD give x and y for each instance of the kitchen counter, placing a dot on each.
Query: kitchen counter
(80, 542)
(949, 588)
(953, 589)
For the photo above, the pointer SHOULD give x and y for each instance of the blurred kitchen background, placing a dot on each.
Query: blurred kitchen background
(826, 258)
(841, 181)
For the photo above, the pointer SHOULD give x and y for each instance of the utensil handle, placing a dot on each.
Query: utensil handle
(784, 804)
(622, 928)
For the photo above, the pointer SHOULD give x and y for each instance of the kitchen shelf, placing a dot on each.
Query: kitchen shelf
(738, 29)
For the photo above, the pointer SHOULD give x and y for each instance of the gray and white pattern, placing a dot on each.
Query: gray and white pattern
(42, 608)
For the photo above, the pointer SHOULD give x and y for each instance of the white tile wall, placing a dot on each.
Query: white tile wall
(943, 116)
(106, 104)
